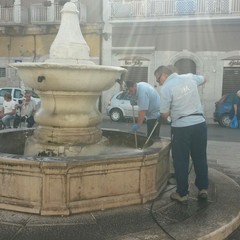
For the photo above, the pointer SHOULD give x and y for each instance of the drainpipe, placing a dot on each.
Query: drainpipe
(100, 51)
(35, 48)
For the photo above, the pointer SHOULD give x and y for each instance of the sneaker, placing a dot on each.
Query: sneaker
(176, 197)
(203, 194)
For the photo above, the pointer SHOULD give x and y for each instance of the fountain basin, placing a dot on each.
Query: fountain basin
(68, 77)
(63, 186)
(68, 114)
(68, 92)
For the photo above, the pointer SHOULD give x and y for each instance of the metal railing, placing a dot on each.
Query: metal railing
(161, 8)
(6, 15)
(37, 14)
(45, 14)
(42, 14)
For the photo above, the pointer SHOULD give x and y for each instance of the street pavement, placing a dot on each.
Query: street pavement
(223, 144)
(223, 150)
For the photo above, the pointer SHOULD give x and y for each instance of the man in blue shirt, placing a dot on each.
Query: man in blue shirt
(180, 99)
(148, 101)
(236, 105)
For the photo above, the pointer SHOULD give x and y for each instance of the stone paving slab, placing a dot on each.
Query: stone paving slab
(217, 219)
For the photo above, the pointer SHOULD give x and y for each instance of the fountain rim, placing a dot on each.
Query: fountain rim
(66, 65)
(154, 148)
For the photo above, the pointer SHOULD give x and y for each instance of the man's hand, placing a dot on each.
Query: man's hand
(135, 127)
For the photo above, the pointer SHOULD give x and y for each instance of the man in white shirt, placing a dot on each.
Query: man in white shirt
(181, 100)
(27, 109)
(8, 110)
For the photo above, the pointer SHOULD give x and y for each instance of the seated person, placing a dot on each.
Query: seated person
(26, 111)
(8, 111)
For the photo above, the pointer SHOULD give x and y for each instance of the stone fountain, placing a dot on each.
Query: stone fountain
(67, 164)
(69, 85)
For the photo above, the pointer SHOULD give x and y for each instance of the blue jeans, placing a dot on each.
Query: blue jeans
(150, 125)
(6, 120)
(186, 142)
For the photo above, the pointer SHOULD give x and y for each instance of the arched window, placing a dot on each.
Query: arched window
(185, 65)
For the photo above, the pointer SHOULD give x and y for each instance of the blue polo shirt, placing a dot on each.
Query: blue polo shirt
(148, 100)
(179, 96)
(236, 101)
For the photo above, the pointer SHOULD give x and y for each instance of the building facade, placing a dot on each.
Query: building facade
(197, 36)
(28, 28)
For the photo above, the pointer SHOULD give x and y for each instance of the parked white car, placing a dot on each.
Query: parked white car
(17, 94)
(119, 107)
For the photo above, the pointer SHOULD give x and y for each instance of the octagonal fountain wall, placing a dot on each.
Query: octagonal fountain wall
(68, 164)
(66, 185)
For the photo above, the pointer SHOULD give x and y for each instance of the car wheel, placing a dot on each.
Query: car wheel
(116, 115)
(225, 120)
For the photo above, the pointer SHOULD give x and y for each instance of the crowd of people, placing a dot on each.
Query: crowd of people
(17, 112)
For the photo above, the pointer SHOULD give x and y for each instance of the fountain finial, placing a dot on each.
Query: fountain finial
(69, 46)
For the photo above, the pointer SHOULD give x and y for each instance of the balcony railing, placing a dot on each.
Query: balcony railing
(38, 14)
(44, 14)
(161, 8)
(47, 14)
(6, 14)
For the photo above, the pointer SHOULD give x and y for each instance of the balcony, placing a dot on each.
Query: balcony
(41, 14)
(8, 16)
(36, 14)
(153, 9)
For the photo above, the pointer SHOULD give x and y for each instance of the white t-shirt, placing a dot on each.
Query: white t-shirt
(8, 106)
(179, 95)
(28, 108)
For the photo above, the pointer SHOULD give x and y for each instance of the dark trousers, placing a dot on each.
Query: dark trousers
(150, 126)
(17, 119)
(186, 142)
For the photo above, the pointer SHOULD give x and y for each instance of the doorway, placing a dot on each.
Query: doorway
(185, 65)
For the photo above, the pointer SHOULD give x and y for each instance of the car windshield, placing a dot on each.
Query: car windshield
(34, 95)
(124, 96)
(3, 91)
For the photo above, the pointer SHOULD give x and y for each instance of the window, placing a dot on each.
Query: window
(124, 96)
(34, 95)
(185, 65)
(3, 91)
(2, 72)
(18, 94)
